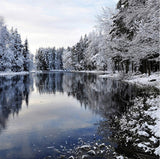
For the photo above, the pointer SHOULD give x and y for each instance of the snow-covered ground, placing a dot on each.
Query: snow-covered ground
(145, 80)
(115, 75)
(153, 112)
(138, 121)
(13, 73)
(141, 79)
(93, 71)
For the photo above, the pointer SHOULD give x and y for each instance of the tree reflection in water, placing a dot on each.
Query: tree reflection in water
(13, 91)
(121, 106)
(114, 101)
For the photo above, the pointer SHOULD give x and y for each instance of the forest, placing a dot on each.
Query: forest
(125, 40)
(14, 55)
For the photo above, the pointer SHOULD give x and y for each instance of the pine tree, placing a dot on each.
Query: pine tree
(26, 56)
(6, 54)
(135, 31)
(17, 49)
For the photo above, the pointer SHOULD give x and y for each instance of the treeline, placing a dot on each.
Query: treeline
(49, 59)
(126, 41)
(129, 41)
(88, 54)
(14, 56)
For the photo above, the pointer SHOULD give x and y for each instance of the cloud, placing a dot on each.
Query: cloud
(55, 22)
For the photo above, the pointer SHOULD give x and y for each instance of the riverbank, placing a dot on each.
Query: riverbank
(141, 119)
(13, 73)
(143, 80)
(140, 79)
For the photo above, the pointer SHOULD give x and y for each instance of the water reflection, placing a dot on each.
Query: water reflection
(118, 104)
(13, 90)
(89, 90)
(49, 83)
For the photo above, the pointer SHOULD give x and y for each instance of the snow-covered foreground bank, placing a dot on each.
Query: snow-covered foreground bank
(142, 121)
(132, 121)
(154, 113)
(13, 73)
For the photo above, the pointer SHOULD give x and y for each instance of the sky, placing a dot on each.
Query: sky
(49, 23)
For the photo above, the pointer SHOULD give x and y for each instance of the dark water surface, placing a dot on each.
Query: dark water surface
(47, 115)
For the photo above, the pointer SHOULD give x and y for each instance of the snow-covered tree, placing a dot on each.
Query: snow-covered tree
(17, 48)
(67, 59)
(126, 40)
(58, 59)
(49, 58)
(26, 56)
(74, 57)
(5, 52)
(13, 55)
(135, 32)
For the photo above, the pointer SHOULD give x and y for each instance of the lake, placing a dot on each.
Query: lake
(49, 115)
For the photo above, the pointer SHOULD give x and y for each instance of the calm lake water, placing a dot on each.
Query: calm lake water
(47, 115)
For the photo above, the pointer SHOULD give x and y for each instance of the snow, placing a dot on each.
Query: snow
(85, 147)
(91, 152)
(110, 75)
(140, 80)
(145, 80)
(13, 73)
(144, 133)
(84, 156)
(87, 71)
(135, 122)
(154, 112)
(119, 157)
(157, 152)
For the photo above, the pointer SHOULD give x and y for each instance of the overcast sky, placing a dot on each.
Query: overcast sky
(52, 22)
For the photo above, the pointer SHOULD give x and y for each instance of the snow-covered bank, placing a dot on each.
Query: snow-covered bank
(73, 71)
(13, 73)
(142, 121)
(145, 80)
(51, 71)
(93, 71)
(130, 121)
(110, 75)
(141, 79)
(154, 113)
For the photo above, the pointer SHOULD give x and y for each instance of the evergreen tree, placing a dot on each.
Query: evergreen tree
(17, 49)
(135, 32)
(13, 55)
(49, 59)
(26, 56)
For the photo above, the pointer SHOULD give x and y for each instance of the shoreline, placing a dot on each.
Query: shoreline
(13, 73)
(142, 80)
